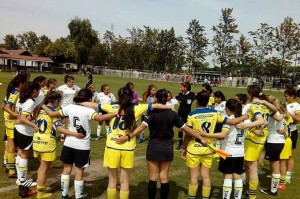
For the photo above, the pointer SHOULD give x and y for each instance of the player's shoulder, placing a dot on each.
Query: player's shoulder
(14, 91)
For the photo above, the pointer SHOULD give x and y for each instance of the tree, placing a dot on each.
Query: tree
(286, 41)
(262, 46)
(243, 54)
(197, 43)
(83, 36)
(222, 42)
(62, 50)
(11, 42)
(28, 40)
(99, 55)
(43, 43)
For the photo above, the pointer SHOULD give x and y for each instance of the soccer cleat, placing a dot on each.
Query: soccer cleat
(281, 186)
(178, 148)
(41, 194)
(268, 192)
(140, 141)
(28, 183)
(288, 181)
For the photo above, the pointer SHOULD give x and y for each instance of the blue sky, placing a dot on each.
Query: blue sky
(51, 17)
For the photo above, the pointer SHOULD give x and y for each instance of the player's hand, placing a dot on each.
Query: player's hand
(122, 139)
(204, 142)
(36, 128)
(281, 131)
(256, 100)
(241, 125)
(183, 154)
(78, 135)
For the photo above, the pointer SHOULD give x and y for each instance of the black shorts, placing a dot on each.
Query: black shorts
(231, 165)
(218, 127)
(21, 141)
(81, 158)
(294, 138)
(160, 150)
(273, 151)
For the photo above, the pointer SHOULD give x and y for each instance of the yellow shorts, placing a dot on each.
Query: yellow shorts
(193, 161)
(252, 150)
(9, 128)
(49, 157)
(287, 150)
(114, 158)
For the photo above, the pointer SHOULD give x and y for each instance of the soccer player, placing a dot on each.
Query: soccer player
(160, 151)
(77, 151)
(293, 108)
(44, 141)
(69, 90)
(13, 90)
(185, 99)
(105, 96)
(198, 156)
(233, 142)
(50, 85)
(24, 130)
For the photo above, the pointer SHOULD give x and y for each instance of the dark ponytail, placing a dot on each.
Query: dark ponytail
(125, 95)
(234, 106)
(28, 90)
(220, 94)
(242, 97)
(84, 95)
(15, 82)
(162, 96)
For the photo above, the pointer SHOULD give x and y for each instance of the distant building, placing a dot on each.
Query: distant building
(23, 60)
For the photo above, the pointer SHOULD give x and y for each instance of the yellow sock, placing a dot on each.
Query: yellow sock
(205, 192)
(5, 157)
(282, 179)
(124, 194)
(192, 191)
(253, 188)
(111, 193)
(11, 163)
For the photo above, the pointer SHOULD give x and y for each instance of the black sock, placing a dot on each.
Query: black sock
(180, 136)
(164, 190)
(152, 189)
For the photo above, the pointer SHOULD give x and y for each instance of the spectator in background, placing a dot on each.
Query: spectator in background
(188, 82)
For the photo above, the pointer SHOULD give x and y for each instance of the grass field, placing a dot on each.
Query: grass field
(96, 175)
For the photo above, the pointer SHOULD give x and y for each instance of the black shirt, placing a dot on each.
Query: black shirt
(161, 122)
(185, 102)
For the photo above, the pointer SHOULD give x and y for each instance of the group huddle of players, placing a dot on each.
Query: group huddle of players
(251, 127)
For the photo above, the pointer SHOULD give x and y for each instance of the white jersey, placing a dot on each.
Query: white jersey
(94, 96)
(245, 109)
(105, 99)
(25, 108)
(234, 142)
(293, 108)
(172, 102)
(68, 94)
(80, 118)
(221, 107)
(273, 127)
(39, 98)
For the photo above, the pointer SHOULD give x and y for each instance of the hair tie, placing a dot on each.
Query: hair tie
(260, 94)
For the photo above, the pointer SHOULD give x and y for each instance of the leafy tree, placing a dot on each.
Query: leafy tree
(62, 50)
(98, 55)
(197, 43)
(223, 41)
(28, 40)
(135, 53)
(286, 41)
(243, 53)
(43, 43)
(83, 36)
(11, 42)
(262, 46)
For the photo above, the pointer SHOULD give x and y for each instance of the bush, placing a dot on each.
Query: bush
(57, 70)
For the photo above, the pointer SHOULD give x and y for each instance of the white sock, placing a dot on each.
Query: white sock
(99, 130)
(142, 135)
(238, 189)
(274, 182)
(64, 183)
(244, 178)
(17, 166)
(227, 188)
(78, 189)
(23, 167)
(107, 129)
(289, 175)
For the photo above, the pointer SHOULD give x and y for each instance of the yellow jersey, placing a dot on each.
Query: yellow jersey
(12, 101)
(45, 139)
(117, 128)
(203, 119)
(287, 122)
(211, 102)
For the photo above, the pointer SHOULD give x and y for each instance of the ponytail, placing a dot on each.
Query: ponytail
(234, 106)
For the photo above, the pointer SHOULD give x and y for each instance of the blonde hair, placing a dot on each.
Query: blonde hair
(276, 102)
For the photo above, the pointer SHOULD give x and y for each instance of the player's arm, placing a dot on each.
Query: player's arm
(224, 133)
(92, 105)
(7, 108)
(50, 112)
(295, 117)
(269, 105)
(186, 140)
(234, 121)
(277, 116)
(160, 106)
(23, 118)
(194, 133)
(105, 117)
(259, 120)
(138, 130)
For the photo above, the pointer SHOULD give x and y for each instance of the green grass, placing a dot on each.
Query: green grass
(96, 176)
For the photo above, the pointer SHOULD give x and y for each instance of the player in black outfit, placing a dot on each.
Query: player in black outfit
(160, 153)
(185, 99)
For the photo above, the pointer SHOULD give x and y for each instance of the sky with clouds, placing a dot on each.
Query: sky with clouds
(51, 17)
